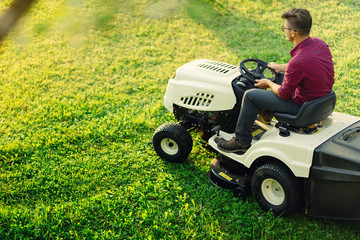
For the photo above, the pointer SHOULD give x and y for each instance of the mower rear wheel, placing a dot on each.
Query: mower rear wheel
(172, 142)
(276, 188)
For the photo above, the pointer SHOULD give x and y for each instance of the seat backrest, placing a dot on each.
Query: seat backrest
(310, 112)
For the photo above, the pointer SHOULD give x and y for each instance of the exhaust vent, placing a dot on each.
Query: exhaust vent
(217, 66)
(200, 100)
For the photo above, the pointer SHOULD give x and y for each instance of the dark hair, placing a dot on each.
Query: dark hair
(299, 20)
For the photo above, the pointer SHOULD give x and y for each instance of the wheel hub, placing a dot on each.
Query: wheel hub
(273, 191)
(169, 146)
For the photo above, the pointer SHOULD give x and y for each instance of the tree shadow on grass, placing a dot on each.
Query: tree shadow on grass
(353, 4)
(244, 36)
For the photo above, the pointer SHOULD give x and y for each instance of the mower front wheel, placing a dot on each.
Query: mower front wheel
(172, 142)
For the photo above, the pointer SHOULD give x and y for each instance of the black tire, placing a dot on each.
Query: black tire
(276, 188)
(172, 142)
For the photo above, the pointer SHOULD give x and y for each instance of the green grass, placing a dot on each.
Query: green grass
(81, 93)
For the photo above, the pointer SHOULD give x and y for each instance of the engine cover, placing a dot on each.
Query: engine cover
(203, 85)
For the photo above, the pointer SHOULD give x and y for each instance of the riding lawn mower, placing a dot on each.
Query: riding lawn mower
(309, 160)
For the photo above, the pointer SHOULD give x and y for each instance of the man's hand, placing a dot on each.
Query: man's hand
(262, 83)
(277, 67)
(266, 83)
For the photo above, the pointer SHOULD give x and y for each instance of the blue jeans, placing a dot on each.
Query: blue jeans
(254, 100)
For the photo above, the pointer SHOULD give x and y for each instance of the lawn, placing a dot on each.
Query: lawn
(81, 93)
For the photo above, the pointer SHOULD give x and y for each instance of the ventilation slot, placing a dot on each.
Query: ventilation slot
(200, 100)
(217, 66)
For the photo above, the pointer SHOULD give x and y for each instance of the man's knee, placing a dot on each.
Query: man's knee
(253, 94)
(260, 98)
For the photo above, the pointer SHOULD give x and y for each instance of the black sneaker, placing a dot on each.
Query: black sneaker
(217, 140)
(232, 146)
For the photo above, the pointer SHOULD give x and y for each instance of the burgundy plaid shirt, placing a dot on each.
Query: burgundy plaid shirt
(309, 73)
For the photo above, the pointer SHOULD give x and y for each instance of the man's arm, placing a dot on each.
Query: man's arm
(277, 67)
(266, 83)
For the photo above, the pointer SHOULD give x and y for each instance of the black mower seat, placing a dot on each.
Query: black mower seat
(311, 112)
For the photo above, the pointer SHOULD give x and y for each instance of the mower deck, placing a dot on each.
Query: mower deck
(230, 175)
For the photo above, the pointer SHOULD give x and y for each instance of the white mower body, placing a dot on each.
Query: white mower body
(203, 85)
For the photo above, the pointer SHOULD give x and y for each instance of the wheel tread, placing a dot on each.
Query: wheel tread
(179, 134)
(287, 180)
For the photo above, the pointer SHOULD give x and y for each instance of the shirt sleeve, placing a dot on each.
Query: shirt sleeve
(292, 79)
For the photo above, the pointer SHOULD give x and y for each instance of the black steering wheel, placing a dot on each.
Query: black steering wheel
(257, 72)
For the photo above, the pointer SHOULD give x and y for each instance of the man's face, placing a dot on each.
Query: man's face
(288, 33)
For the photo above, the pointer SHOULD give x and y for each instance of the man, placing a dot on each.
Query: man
(308, 75)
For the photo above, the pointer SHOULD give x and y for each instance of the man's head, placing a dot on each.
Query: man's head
(298, 20)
